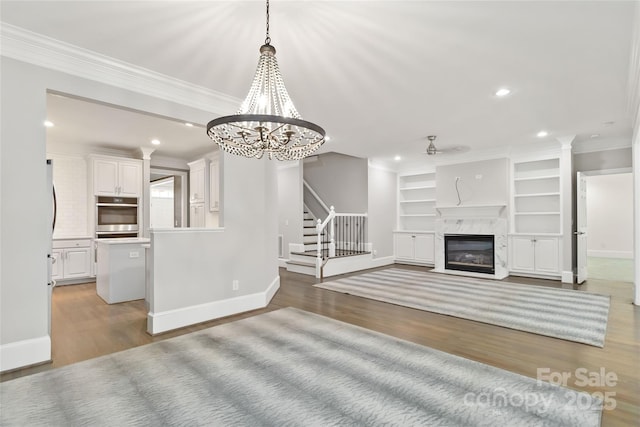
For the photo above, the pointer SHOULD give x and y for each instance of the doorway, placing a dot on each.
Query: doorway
(609, 226)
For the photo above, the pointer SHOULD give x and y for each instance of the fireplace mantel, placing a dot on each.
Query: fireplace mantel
(471, 211)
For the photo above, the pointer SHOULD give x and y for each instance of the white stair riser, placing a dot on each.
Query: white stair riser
(310, 271)
(302, 258)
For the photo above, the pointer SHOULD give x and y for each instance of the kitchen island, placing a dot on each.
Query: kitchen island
(120, 269)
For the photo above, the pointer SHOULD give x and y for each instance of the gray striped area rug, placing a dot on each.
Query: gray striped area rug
(288, 368)
(559, 313)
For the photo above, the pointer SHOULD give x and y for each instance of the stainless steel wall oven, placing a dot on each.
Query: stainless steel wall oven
(116, 217)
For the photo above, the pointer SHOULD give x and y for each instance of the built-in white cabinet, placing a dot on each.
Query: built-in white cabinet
(71, 259)
(414, 247)
(116, 177)
(417, 202)
(535, 254)
(536, 197)
(214, 185)
(196, 215)
(197, 181)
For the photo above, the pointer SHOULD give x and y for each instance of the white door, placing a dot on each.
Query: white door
(547, 255)
(423, 248)
(404, 246)
(56, 264)
(522, 251)
(581, 227)
(129, 179)
(105, 177)
(76, 262)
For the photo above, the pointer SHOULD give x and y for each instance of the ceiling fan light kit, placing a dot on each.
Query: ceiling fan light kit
(267, 122)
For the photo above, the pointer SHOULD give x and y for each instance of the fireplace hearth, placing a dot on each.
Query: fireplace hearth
(469, 252)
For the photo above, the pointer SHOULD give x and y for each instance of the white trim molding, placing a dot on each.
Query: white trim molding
(25, 353)
(186, 316)
(27, 46)
(610, 254)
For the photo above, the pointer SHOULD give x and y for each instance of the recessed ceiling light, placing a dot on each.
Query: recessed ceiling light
(503, 92)
(595, 135)
(189, 125)
(397, 158)
(327, 138)
(155, 141)
(542, 134)
(48, 124)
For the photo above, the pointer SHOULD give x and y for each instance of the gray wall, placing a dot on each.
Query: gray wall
(484, 182)
(340, 181)
(602, 160)
(290, 204)
(382, 210)
(24, 229)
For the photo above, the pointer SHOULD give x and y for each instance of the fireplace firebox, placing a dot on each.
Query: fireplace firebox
(469, 252)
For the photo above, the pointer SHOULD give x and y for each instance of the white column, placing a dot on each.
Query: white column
(566, 190)
(146, 192)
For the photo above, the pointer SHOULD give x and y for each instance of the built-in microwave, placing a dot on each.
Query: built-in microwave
(116, 217)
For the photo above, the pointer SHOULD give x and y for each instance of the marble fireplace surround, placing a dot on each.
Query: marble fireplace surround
(473, 219)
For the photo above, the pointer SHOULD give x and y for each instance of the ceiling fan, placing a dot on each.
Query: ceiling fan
(432, 150)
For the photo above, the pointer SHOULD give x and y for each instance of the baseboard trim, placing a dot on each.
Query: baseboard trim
(610, 254)
(25, 353)
(174, 319)
(282, 262)
(336, 266)
(567, 277)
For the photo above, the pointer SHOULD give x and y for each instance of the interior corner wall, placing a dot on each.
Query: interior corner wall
(340, 181)
(610, 215)
(480, 183)
(290, 206)
(382, 211)
(24, 229)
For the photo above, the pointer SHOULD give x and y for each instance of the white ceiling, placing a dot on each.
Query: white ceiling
(380, 76)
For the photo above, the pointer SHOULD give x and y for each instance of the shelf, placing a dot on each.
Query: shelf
(421, 187)
(536, 194)
(533, 178)
(418, 201)
(536, 213)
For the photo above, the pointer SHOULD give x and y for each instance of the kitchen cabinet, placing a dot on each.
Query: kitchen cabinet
(71, 259)
(414, 247)
(214, 186)
(196, 215)
(117, 177)
(197, 181)
(535, 254)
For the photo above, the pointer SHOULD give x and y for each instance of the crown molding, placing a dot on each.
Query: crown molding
(33, 48)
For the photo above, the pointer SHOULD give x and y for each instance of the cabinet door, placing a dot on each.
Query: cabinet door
(522, 254)
(105, 177)
(424, 248)
(404, 246)
(196, 185)
(129, 179)
(76, 263)
(197, 215)
(56, 264)
(214, 187)
(546, 255)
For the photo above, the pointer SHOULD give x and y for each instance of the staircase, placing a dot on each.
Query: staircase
(341, 236)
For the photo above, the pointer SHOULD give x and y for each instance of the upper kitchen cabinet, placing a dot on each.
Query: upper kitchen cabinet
(197, 180)
(113, 176)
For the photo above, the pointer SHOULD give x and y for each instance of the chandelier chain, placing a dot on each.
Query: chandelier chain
(267, 40)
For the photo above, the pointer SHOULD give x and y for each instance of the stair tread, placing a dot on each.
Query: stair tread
(339, 254)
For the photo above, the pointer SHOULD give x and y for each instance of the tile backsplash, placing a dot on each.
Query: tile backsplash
(70, 181)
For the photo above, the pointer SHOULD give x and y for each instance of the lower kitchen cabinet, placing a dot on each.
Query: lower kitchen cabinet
(196, 215)
(71, 259)
(535, 255)
(414, 247)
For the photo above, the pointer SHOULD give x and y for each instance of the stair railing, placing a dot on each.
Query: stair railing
(340, 234)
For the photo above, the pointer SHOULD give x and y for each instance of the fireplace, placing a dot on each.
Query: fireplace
(469, 252)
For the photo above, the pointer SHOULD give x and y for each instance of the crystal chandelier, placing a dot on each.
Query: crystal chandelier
(267, 122)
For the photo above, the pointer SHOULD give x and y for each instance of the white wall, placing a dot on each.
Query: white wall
(610, 215)
(290, 206)
(382, 210)
(481, 183)
(24, 230)
(602, 160)
(339, 180)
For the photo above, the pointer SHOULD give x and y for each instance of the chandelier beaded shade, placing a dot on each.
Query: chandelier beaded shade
(267, 122)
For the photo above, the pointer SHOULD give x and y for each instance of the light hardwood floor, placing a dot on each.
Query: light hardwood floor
(84, 327)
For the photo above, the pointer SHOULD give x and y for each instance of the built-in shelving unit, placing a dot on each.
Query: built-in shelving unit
(536, 197)
(417, 202)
